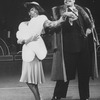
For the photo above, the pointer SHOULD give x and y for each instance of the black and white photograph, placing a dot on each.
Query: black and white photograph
(49, 50)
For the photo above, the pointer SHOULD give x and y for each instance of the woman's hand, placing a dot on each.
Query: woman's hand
(35, 38)
(20, 41)
(71, 15)
(62, 19)
(68, 14)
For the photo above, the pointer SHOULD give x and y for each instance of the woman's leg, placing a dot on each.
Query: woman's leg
(35, 90)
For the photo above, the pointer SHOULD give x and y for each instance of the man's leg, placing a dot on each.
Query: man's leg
(84, 76)
(83, 85)
(60, 89)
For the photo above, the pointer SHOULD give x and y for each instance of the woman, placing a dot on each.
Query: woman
(34, 50)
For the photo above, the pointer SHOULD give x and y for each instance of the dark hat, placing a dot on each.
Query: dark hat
(29, 5)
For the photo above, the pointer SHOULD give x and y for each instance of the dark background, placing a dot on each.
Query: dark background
(12, 12)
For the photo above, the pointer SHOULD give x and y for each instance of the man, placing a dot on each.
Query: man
(72, 51)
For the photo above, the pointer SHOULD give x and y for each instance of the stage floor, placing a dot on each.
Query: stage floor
(12, 89)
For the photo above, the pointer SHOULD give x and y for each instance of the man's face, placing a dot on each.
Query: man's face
(69, 2)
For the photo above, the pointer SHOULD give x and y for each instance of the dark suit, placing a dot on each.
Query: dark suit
(76, 55)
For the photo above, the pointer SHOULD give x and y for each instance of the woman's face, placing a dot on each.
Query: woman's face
(33, 12)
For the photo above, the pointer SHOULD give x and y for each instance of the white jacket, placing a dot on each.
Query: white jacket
(34, 48)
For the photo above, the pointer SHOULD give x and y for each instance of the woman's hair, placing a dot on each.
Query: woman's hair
(29, 5)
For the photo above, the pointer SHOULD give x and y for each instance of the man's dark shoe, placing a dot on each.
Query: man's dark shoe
(55, 98)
